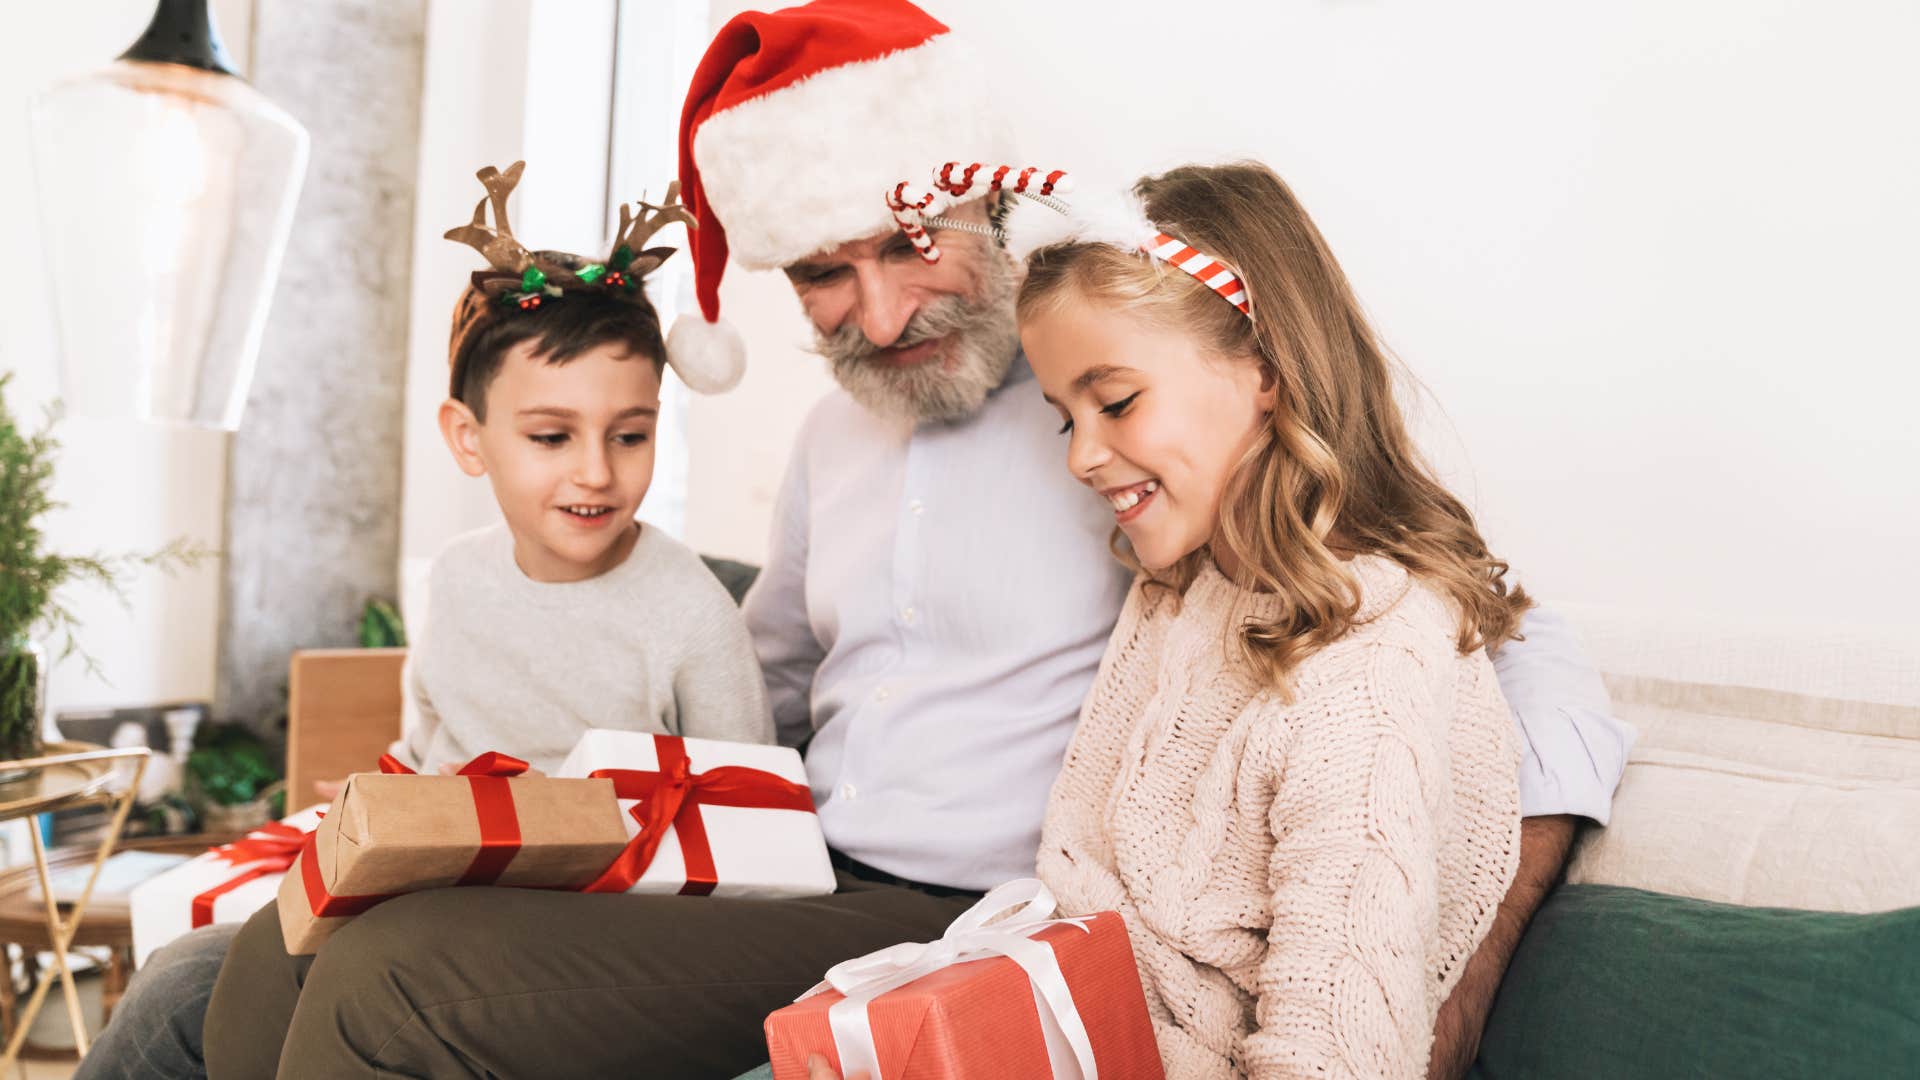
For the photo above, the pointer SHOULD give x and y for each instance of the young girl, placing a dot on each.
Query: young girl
(1295, 775)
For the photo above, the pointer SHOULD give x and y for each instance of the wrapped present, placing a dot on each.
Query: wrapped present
(707, 817)
(1009, 990)
(395, 832)
(226, 884)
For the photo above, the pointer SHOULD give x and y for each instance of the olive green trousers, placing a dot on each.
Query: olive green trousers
(486, 982)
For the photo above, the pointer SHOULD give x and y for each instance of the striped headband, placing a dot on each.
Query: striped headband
(917, 212)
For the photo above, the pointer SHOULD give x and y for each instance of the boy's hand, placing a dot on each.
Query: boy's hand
(818, 1069)
(328, 789)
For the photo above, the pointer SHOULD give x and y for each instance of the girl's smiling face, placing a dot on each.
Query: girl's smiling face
(1156, 423)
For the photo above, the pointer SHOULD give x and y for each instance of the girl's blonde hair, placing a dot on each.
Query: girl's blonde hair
(1333, 471)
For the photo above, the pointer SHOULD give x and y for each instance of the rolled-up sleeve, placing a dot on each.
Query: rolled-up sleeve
(1575, 749)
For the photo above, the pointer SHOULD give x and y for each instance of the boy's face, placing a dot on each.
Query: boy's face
(569, 451)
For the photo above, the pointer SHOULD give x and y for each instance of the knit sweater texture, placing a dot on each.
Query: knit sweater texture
(526, 667)
(1303, 882)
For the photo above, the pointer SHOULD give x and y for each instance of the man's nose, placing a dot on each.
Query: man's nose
(885, 307)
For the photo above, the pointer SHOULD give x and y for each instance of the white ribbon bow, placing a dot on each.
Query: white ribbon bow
(1027, 907)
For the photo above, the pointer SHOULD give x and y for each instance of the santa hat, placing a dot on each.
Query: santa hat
(796, 124)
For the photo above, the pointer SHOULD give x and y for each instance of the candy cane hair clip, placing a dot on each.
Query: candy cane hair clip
(1117, 219)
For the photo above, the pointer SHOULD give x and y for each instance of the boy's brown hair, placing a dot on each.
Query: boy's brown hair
(484, 333)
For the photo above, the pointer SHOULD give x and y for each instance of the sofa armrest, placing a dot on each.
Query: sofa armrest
(343, 711)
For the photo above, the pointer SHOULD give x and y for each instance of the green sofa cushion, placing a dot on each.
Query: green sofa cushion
(1623, 984)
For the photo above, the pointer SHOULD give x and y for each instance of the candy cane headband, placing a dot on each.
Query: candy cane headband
(1125, 227)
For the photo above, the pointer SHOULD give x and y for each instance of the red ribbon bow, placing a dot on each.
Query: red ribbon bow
(672, 795)
(276, 841)
(492, 806)
(269, 849)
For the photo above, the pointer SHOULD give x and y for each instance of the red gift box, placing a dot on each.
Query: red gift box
(1028, 996)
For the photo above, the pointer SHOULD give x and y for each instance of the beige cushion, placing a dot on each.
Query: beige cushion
(1775, 766)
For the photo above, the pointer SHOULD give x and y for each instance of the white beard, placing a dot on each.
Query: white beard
(982, 338)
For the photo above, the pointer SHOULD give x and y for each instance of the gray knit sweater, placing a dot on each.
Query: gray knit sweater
(524, 667)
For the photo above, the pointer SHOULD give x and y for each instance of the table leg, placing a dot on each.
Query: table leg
(119, 962)
(60, 933)
(54, 928)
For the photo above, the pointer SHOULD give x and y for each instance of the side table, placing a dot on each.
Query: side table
(109, 926)
(69, 774)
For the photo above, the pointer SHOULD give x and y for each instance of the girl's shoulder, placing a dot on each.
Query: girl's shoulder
(1400, 609)
(1405, 633)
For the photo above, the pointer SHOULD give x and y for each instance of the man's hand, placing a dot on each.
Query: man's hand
(1456, 1035)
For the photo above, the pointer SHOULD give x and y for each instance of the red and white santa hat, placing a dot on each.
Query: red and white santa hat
(795, 120)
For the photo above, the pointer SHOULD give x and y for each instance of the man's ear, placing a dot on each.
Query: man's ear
(461, 429)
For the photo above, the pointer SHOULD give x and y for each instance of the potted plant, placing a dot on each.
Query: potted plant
(233, 781)
(32, 579)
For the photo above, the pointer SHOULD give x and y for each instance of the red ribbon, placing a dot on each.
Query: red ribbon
(269, 849)
(492, 807)
(672, 795)
(324, 904)
(274, 841)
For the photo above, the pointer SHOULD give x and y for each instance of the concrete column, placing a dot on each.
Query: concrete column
(313, 482)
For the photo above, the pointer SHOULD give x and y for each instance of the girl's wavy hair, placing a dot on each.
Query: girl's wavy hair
(1333, 472)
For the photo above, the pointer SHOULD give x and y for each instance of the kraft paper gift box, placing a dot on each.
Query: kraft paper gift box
(395, 832)
(708, 817)
(1028, 995)
(227, 884)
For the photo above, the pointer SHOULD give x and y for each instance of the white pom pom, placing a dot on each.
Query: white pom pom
(708, 356)
(1099, 214)
(1030, 226)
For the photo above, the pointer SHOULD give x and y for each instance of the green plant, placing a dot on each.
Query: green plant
(230, 764)
(32, 578)
(380, 626)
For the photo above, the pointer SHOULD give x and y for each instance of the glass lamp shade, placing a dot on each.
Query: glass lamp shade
(166, 195)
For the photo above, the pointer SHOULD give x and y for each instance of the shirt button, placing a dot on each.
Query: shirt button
(848, 791)
(906, 615)
(916, 506)
(881, 694)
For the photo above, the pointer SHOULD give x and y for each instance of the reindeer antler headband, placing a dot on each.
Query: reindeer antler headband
(522, 278)
(519, 279)
(1121, 223)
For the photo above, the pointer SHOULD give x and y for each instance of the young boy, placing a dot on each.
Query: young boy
(570, 614)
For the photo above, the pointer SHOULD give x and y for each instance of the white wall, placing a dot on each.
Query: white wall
(128, 486)
(1656, 262)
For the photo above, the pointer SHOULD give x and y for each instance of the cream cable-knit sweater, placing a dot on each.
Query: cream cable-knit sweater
(1302, 883)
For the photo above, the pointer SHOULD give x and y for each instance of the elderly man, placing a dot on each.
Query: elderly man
(936, 600)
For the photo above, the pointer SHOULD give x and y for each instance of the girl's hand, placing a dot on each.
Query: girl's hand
(818, 1069)
(328, 789)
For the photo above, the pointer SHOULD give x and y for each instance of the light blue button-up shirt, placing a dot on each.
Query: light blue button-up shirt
(934, 606)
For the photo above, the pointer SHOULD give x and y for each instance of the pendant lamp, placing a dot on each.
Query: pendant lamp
(166, 192)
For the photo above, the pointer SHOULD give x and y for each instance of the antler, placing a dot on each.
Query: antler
(496, 243)
(634, 231)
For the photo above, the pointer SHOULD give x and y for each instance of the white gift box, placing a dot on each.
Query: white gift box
(756, 851)
(162, 906)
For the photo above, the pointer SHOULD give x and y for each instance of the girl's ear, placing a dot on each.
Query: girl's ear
(461, 429)
(1269, 393)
